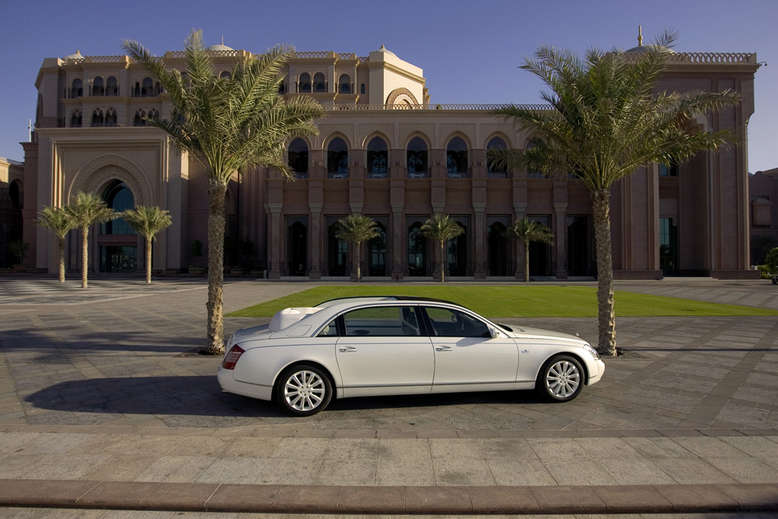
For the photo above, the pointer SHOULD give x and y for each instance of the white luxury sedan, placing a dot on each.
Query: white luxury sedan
(392, 345)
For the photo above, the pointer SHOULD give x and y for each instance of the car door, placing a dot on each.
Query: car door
(383, 350)
(466, 353)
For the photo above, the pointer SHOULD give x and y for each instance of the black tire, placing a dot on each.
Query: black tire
(314, 383)
(569, 373)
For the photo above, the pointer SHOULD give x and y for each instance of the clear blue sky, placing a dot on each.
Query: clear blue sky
(469, 50)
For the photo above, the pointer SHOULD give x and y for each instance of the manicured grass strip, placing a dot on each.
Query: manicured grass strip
(516, 301)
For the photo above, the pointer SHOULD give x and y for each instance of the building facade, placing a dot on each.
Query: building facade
(764, 213)
(385, 151)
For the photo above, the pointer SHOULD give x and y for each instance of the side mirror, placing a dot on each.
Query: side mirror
(493, 332)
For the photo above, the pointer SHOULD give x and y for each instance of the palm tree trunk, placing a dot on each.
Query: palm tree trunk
(216, 194)
(356, 261)
(605, 311)
(61, 247)
(526, 262)
(148, 260)
(84, 255)
(442, 262)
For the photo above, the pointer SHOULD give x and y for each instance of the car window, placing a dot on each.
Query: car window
(453, 323)
(331, 330)
(388, 321)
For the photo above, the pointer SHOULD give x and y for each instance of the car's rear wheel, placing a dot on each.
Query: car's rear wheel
(303, 390)
(561, 378)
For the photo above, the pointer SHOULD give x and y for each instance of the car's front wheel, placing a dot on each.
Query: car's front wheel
(561, 378)
(303, 390)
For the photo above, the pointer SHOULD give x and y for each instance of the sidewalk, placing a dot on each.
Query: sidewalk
(248, 470)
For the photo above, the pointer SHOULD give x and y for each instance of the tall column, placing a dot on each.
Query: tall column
(520, 211)
(275, 240)
(398, 175)
(479, 244)
(560, 239)
(315, 239)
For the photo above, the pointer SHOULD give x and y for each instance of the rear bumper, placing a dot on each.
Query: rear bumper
(226, 378)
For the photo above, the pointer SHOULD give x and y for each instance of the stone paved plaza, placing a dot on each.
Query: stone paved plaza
(104, 384)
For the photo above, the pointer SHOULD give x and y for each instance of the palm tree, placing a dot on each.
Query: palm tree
(227, 124)
(441, 228)
(527, 231)
(606, 121)
(58, 220)
(147, 221)
(85, 210)
(355, 229)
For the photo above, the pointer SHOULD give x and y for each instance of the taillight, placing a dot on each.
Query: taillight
(232, 357)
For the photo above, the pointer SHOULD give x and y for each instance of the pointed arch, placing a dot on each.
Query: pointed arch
(95, 174)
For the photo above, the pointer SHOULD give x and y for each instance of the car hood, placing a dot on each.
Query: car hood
(527, 332)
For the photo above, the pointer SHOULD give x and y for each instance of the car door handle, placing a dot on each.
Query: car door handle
(344, 349)
(442, 348)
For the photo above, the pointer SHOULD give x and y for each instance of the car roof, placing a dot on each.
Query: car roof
(366, 299)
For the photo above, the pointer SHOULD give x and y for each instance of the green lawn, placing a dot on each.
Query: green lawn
(515, 301)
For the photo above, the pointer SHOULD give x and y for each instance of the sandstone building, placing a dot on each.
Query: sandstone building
(386, 151)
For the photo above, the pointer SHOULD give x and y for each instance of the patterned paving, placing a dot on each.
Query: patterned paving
(129, 362)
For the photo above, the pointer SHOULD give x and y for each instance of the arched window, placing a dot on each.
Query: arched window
(140, 118)
(670, 170)
(110, 117)
(456, 158)
(337, 252)
(417, 251)
(499, 171)
(532, 173)
(118, 197)
(76, 88)
(136, 90)
(319, 84)
(282, 87)
(111, 87)
(225, 74)
(97, 117)
(304, 83)
(456, 251)
(75, 119)
(98, 87)
(154, 114)
(417, 158)
(362, 89)
(298, 158)
(498, 253)
(377, 158)
(15, 193)
(344, 84)
(147, 87)
(376, 252)
(337, 158)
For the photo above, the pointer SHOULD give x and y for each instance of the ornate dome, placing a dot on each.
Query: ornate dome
(220, 46)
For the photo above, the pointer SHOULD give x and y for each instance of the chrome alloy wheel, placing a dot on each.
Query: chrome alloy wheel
(304, 391)
(562, 379)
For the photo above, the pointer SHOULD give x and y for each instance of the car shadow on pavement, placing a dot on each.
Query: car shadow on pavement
(201, 395)
(169, 395)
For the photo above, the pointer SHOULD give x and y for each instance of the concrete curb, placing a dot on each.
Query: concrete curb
(215, 497)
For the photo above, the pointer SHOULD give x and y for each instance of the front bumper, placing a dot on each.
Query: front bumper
(596, 371)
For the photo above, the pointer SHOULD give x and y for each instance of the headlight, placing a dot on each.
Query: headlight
(591, 350)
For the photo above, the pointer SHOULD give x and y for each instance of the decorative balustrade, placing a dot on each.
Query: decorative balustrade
(429, 107)
(714, 58)
(312, 54)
